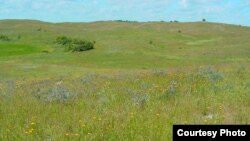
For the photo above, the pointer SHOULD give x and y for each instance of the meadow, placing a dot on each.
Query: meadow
(139, 80)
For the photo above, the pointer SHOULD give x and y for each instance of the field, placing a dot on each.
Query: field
(139, 80)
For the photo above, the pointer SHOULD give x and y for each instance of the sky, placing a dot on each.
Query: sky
(223, 11)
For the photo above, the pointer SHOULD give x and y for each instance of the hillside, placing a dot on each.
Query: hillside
(121, 45)
(138, 81)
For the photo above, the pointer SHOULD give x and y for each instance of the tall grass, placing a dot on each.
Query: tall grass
(123, 106)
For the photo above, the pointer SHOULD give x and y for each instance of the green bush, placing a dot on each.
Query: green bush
(74, 45)
(19, 37)
(63, 40)
(4, 38)
(82, 47)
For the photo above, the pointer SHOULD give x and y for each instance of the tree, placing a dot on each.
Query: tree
(203, 20)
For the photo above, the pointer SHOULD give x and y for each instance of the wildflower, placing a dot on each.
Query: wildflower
(31, 131)
(131, 114)
(220, 107)
(67, 134)
(205, 120)
(32, 123)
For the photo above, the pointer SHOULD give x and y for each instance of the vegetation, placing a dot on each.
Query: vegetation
(124, 106)
(4, 38)
(74, 45)
(63, 40)
(124, 89)
(175, 21)
(125, 21)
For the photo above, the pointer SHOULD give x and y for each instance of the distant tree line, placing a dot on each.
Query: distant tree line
(74, 45)
(171, 21)
(125, 21)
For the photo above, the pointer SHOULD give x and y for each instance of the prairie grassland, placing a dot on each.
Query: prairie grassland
(139, 105)
(139, 80)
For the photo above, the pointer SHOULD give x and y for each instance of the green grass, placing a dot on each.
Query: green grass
(10, 49)
(126, 88)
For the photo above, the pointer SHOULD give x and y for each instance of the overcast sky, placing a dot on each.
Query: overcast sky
(226, 11)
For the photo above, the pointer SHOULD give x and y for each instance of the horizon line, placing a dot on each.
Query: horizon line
(125, 21)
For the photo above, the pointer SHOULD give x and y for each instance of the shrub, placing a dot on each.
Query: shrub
(210, 74)
(74, 45)
(45, 51)
(158, 72)
(63, 40)
(4, 38)
(19, 37)
(56, 94)
(82, 46)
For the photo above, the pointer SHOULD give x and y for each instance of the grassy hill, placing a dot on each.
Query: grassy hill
(122, 45)
(139, 80)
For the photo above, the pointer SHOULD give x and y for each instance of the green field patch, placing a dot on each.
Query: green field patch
(13, 49)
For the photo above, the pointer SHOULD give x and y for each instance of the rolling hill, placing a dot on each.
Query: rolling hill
(139, 80)
(123, 45)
